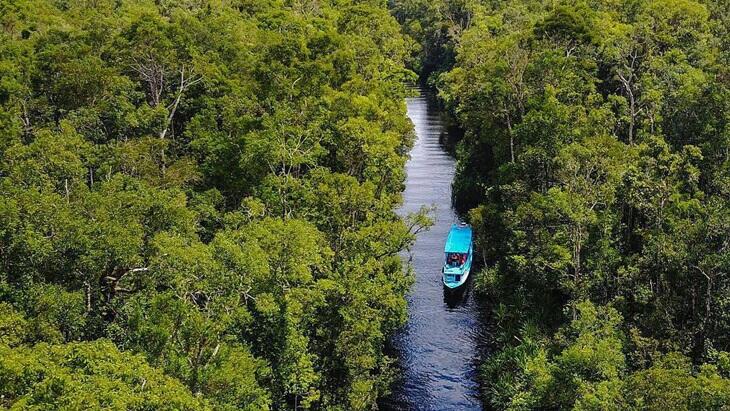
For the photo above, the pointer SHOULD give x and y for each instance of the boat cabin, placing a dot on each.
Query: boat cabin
(455, 259)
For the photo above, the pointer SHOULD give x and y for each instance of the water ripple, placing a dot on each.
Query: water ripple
(437, 349)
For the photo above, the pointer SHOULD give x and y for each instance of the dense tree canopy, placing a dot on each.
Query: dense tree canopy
(197, 198)
(197, 203)
(596, 167)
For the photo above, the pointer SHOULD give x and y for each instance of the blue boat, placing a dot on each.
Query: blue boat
(458, 255)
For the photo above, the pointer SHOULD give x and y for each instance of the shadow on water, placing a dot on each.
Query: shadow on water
(438, 348)
(457, 298)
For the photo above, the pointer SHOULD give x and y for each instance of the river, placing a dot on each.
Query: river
(438, 347)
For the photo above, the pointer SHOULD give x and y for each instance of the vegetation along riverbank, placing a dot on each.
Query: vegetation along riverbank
(596, 168)
(197, 203)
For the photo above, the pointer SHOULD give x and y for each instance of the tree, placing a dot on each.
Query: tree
(210, 187)
(82, 375)
(592, 166)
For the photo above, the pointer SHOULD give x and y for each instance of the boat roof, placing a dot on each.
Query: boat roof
(459, 239)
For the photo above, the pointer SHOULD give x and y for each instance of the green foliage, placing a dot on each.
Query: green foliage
(87, 375)
(585, 369)
(206, 186)
(594, 165)
(436, 28)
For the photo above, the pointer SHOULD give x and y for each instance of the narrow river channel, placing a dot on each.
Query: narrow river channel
(437, 349)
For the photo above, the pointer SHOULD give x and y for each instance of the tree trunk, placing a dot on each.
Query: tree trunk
(511, 140)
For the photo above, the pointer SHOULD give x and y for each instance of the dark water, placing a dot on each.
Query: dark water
(438, 347)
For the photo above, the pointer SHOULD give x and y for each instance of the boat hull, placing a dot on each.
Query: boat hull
(456, 278)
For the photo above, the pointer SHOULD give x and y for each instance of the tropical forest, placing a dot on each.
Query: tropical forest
(364, 205)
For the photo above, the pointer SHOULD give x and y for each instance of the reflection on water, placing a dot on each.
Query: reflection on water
(438, 346)
(458, 297)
